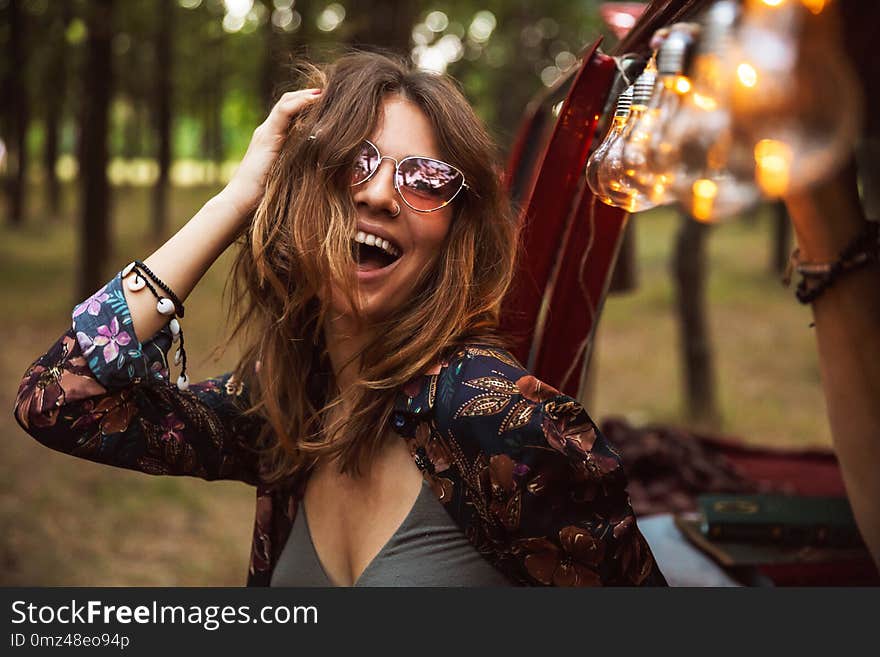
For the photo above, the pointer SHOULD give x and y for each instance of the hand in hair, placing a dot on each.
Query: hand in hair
(247, 185)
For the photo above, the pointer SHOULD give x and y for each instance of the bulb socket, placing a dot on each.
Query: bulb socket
(718, 25)
(624, 102)
(672, 58)
(644, 88)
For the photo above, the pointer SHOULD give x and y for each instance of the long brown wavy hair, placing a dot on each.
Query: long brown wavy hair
(299, 246)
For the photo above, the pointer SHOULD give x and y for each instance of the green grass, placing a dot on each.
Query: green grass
(72, 522)
(766, 366)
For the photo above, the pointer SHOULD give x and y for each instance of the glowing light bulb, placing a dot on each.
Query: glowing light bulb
(621, 112)
(747, 75)
(710, 171)
(793, 87)
(646, 135)
(815, 6)
(614, 183)
(773, 166)
(704, 193)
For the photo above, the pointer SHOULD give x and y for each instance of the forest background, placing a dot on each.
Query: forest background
(173, 90)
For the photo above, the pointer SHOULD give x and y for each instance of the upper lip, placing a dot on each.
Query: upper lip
(379, 232)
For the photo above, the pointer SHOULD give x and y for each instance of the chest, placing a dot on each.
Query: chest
(351, 517)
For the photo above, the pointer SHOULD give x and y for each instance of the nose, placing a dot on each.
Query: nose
(378, 193)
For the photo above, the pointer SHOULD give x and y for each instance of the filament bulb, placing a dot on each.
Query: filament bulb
(621, 112)
(613, 183)
(709, 169)
(647, 134)
(795, 98)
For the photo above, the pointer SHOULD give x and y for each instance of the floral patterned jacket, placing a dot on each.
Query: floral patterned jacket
(522, 469)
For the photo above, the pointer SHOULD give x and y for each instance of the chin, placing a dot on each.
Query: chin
(375, 310)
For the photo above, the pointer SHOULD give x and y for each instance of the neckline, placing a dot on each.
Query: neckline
(406, 520)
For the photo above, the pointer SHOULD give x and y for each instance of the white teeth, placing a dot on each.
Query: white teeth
(373, 240)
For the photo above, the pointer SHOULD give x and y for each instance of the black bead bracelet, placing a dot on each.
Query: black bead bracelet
(178, 304)
(863, 251)
(144, 273)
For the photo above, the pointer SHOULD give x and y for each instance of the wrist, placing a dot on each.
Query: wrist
(827, 217)
(861, 252)
(233, 203)
(221, 216)
(822, 243)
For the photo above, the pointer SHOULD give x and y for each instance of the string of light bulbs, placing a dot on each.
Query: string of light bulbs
(754, 101)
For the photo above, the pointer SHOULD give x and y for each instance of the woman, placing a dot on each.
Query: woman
(369, 284)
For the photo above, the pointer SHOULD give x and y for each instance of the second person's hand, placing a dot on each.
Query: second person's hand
(248, 183)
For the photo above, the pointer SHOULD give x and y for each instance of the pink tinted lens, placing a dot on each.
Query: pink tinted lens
(365, 163)
(428, 184)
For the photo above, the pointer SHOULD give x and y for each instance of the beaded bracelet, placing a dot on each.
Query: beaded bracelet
(178, 304)
(818, 277)
(170, 305)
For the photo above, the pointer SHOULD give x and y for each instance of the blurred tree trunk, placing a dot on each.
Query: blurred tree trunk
(98, 89)
(509, 114)
(16, 93)
(781, 239)
(212, 131)
(218, 144)
(689, 268)
(55, 94)
(272, 73)
(624, 277)
(131, 142)
(162, 109)
(374, 24)
(143, 130)
(212, 127)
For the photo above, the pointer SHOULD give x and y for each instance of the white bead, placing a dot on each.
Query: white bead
(177, 357)
(165, 306)
(127, 270)
(137, 283)
(174, 325)
(183, 382)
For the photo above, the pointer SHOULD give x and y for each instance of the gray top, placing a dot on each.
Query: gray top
(428, 549)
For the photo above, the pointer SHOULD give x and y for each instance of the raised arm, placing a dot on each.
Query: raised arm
(183, 260)
(847, 319)
(102, 391)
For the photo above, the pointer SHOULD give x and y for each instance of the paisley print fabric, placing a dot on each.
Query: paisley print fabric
(522, 469)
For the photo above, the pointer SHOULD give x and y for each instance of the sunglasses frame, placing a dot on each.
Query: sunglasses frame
(397, 164)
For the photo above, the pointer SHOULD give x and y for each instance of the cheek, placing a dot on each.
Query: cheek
(430, 236)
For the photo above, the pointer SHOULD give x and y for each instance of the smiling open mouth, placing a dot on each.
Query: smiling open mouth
(371, 252)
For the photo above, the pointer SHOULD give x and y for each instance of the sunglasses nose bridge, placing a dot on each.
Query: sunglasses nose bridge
(374, 173)
(387, 157)
(375, 190)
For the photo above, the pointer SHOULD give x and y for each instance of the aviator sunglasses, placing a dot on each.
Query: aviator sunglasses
(424, 184)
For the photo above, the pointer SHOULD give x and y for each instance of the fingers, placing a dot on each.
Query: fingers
(287, 106)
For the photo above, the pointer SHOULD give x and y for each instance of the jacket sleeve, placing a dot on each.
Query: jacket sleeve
(552, 489)
(101, 395)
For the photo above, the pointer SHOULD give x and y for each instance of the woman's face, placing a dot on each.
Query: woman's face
(401, 130)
